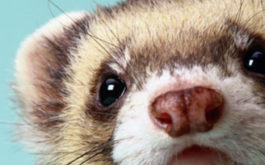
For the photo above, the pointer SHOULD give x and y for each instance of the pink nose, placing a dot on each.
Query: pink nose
(187, 111)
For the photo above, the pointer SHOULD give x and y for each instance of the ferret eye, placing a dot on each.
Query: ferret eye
(254, 61)
(111, 90)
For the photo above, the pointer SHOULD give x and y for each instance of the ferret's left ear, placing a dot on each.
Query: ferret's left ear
(40, 66)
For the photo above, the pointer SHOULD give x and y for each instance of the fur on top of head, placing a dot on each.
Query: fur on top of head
(153, 47)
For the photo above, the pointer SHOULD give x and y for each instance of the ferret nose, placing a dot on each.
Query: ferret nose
(187, 111)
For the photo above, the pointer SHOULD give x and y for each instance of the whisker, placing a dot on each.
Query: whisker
(96, 150)
(92, 156)
(253, 16)
(50, 10)
(71, 152)
(239, 13)
(90, 34)
(95, 38)
(112, 32)
(86, 153)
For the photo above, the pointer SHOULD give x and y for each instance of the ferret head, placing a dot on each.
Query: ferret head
(147, 82)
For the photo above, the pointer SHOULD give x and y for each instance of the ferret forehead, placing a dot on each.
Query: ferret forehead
(181, 28)
(164, 34)
(184, 24)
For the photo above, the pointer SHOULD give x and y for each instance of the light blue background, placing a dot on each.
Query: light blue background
(19, 18)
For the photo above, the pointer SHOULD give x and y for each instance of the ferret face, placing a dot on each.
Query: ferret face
(148, 82)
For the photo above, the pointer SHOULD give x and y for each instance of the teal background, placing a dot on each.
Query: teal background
(19, 19)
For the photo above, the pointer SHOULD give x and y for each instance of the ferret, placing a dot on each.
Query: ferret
(147, 82)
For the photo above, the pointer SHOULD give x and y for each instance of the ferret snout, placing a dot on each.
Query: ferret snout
(186, 111)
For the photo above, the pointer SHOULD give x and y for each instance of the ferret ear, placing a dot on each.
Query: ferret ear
(41, 66)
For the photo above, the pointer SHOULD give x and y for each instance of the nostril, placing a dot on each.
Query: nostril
(186, 111)
(167, 112)
(164, 120)
(214, 109)
(213, 115)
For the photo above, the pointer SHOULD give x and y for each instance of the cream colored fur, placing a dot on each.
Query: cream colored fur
(164, 24)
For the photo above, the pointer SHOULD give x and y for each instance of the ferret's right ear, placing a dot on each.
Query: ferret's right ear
(41, 66)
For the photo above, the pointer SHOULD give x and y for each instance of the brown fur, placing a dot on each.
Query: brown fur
(67, 67)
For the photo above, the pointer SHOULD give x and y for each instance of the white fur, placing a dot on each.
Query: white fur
(121, 62)
(149, 145)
